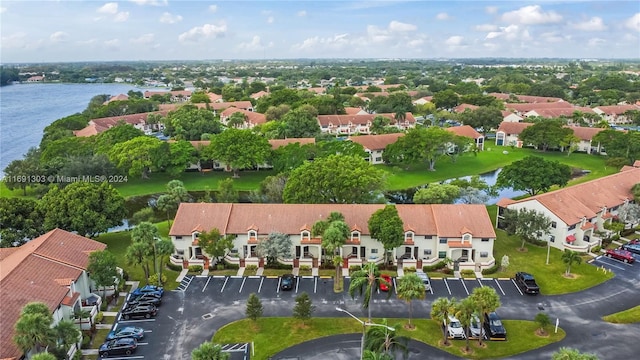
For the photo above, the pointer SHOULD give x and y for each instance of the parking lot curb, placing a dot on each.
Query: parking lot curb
(504, 278)
(271, 277)
(326, 277)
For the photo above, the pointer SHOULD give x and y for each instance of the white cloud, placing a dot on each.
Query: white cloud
(486, 27)
(491, 9)
(511, 32)
(59, 36)
(317, 43)
(87, 42)
(112, 44)
(151, 2)
(121, 16)
(443, 16)
(595, 42)
(167, 18)
(302, 13)
(270, 20)
(531, 15)
(254, 45)
(593, 24)
(213, 8)
(633, 23)
(109, 8)
(17, 40)
(415, 43)
(3, 9)
(204, 31)
(554, 37)
(397, 26)
(454, 40)
(143, 39)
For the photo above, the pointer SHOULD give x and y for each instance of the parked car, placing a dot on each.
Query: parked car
(145, 299)
(475, 329)
(148, 289)
(527, 283)
(634, 248)
(455, 329)
(620, 254)
(139, 311)
(288, 282)
(387, 285)
(127, 332)
(425, 279)
(122, 346)
(493, 327)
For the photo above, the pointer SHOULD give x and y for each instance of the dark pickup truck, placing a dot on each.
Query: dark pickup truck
(527, 283)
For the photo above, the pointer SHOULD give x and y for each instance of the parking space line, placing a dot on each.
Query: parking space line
(315, 284)
(138, 320)
(260, 287)
(242, 285)
(225, 284)
(278, 289)
(297, 283)
(205, 285)
(517, 287)
(480, 282)
(618, 261)
(395, 288)
(464, 285)
(499, 287)
(127, 357)
(143, 343)
(609, 264)
(447, 285)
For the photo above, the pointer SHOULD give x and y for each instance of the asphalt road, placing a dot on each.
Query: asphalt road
(188, 318)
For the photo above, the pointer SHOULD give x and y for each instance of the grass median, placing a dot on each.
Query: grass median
(628, 316)
(272, 335)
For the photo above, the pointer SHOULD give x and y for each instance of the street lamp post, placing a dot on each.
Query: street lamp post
(364, 327)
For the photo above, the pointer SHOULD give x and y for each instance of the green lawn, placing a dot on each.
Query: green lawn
(624, 317)
(286, 332)
(118, 242)
(549, 277)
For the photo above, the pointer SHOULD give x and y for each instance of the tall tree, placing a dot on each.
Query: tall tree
(189, 122)
(326, 180)
(526, 223)
(303, 309)
(238, 149)
(226, 192)
(464, 311)
(440, 310)
(209, 351)
(569, 257)
(137, 254)
(275, 245)
(85, 207)
(115, 135)
(446, 99)
(543, 321)
(164, 248)
(620, 144)
(410, 287)
(419, 145)
(254, 307)
(548, 133)
(181, 155)
(67, 334)
(147, 233)
(33, 330)
(484, 118)
(365, 281)
(169, 202)
(436, 193)
(383, 340)
(386, 226)
(534, 174)
(486, 300)
(214, 244)
(20, 220)
(102, 269)
(140, 156)
(25, 172)
(300, 124)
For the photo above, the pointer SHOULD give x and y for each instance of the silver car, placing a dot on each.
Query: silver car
(425, 279)
(475, 330)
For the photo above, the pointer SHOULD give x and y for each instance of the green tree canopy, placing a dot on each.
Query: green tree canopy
(364, 282)
(189, 122)
(386, 226)
(209, 351)
(33, 330)
(484, 117)
(440, 310)
(115, 135)
(254, 307)
(572, 354)
(525, 223)
(300, 124)
(410, 287)
(102, 269)
(534, 174)
(214, 244)
(486, 300)
(20, 220)
(303, 309)
(620, 144)
(239, 149)
(436, 193)
(140, 156)
(334, 179)
(25, 172)
(420, 145)
(545, 134)
(275, 245)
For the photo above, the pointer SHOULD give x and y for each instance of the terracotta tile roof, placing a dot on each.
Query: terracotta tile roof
(317, 90)
(70, 300)
(99, 125)
(39, 270)
(214, 97)
(504, 202)
(573, 203)
(276, 143)
(384, 93)
(513, 127)
(585, 133)
(237, 104)
(4, 252)
(462, 107)
(526, 107)
(441, 220)
(557, 111)
(376, 142)
(119, 97)
(352, 110)
(345, 120)
(251, 116)
(148, 94)
(258, 95)
(616, 109)
(171, 107)
(527, 98)
(636, 163)
(465, 130)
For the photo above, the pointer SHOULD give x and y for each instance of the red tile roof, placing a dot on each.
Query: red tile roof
(526, 107)
(344, 120)
(465, 130)
(276, 143)
(559, 111)
(39, 271)
(376, 142)
(352, 110)
(513, 127)
(251, 116)
(584, 133)
(527, 98)
(99, 125)
(462, 107)
(617, 109)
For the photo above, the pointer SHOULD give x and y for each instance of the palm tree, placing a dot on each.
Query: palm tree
(382, 340)
(67, 334)
(163, 248)
(365, 281)
(486, 300)
(410, 287)
(33, 331)
(543, 321)
(209, 351)
(569, 257)
(440, 310)
(372, 355)
(83, 314)
(137, 255)
(44, 356)
(464, 313)
(572, 354)
(147, 234)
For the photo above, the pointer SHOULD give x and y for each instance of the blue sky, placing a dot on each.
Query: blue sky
(48, 31)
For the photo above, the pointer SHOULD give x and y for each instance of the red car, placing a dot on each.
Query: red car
(383, 286)
(622, 255)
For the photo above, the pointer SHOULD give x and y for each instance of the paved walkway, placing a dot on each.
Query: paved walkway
(314, 271)
(260, 271)
(400, 272)
(89, 351)
(183, 273)
(110, 313)
(295, 271)
(240, 271)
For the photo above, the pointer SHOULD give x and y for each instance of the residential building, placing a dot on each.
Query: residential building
(468, 131)
(508, 133)
(177, 96)
(523, 108)
(463, 107)
(360, 124)
(119, 97)
(51, 269)
(526, 98)
(139, 121)
(586, 134)
(251, 118)
(354, 111)
(579, 211)
(374, 145)
(462, 233)
(615, 114)
(509, 116)
(422, 100)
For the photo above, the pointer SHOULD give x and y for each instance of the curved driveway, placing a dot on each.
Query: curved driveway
(184, 320)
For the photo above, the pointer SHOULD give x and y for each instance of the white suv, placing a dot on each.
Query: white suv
(425, 279)
(455, 329)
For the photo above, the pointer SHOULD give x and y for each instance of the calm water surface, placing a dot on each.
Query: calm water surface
(26, 109)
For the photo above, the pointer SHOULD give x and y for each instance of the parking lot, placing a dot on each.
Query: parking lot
(620, 268)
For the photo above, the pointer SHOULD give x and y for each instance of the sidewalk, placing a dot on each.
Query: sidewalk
(183, 273)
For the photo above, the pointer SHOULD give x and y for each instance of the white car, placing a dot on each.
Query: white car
(455, 329)
(475, 330)
(425, 280)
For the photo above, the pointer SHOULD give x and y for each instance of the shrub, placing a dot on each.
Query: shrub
(279, 266)
(355, 268)
(195, 268)
(220, 267)
(99, 317)
(447, 271)
(103, 306)
(174, 267)
(615, 237)
(230, 266)
(492, 270)
(410, 269)
(305, 268)
(467, 272)
(596, 249)
(86, 339)
(153, 279)
(437, 266)
(251, 268)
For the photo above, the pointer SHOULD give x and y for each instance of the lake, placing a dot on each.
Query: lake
(26, 109)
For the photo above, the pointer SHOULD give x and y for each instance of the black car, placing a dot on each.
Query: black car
(527, 283)
(144, 300)
(139, 311)
(287, 282)
(122, 346)
(493, 327)
(634, 248)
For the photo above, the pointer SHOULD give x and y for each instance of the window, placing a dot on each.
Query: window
(355, 236)
(427, 251)
(180, 252)
(484, 254)
(572, 227)
(554, 224)
(442, 254)
(408, 236)
(443, 240)
(428, 237)
(552, 238)
(378, 159)
(466, 238)
(485, 239)
(374, 251)
(178, 237)
(305, 235)
(234, 251)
